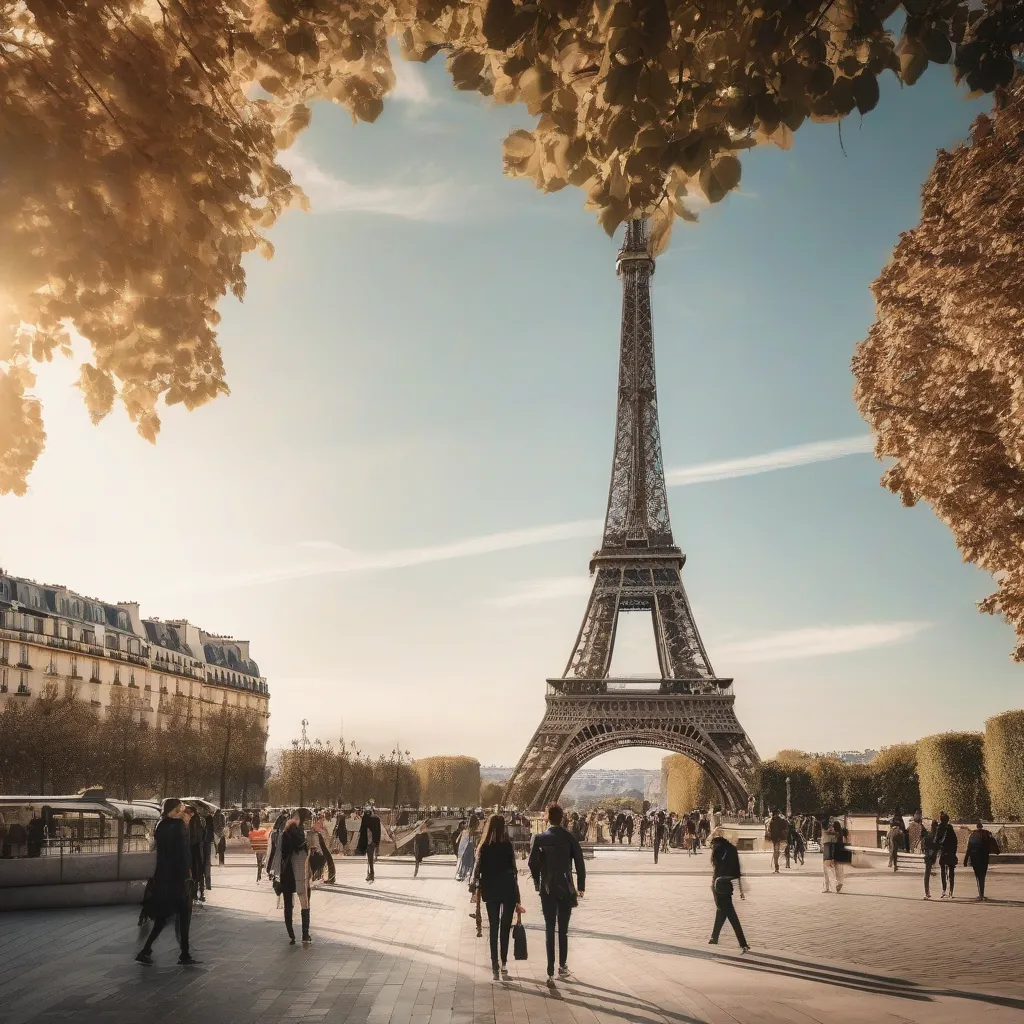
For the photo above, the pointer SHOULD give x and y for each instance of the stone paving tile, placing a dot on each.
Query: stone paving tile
(404, 951)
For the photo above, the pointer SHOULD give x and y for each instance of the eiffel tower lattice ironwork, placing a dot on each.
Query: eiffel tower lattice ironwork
(688, 709)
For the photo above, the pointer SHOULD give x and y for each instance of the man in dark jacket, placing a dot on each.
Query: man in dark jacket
(420, 846)
(980, 845)
(552, 856)
(168, 893)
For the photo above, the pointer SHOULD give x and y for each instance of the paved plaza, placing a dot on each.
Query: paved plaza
(405, 951)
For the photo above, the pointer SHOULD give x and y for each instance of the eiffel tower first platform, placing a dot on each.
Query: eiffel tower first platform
(688, 709)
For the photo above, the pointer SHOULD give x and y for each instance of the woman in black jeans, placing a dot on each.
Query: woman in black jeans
(725, 869)
(498, 879)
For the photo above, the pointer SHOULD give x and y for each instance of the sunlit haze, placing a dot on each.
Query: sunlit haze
(397, 503)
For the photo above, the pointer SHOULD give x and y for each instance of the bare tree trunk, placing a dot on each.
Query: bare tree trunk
(224, 763)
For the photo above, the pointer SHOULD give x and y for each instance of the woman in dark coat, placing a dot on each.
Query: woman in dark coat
(497, 876)
(945, 844)
(169, 891)
(295, 871)
(369, 840)
(725, 869)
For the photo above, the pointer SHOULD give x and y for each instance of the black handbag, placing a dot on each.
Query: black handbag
(519, 940)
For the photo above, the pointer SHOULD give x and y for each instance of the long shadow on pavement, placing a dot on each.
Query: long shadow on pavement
(766, 963)
(382, 895)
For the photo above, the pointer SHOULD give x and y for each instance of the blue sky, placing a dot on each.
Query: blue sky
(430, 359)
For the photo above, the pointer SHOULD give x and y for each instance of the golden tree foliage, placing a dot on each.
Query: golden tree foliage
(689, 785)
(940, 377)
(140, 158)
(448, 781)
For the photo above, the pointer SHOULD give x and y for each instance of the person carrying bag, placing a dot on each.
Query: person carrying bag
(497, 880)
(553, 854)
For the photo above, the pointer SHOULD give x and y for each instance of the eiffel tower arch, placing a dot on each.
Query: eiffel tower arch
(687, 709)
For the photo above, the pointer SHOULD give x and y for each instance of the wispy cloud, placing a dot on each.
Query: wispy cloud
(423, 200)
(814, 642)
(331, 559)
(782, 458)
(549, 589)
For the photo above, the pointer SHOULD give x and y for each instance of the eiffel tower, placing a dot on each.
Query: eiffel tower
(688, 709)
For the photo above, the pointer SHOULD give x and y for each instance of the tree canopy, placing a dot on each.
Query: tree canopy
(140, 140)
(940, 377)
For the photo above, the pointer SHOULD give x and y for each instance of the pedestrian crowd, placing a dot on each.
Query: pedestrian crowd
(296, 851)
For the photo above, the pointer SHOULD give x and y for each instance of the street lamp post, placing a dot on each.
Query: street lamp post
(789, 800)
(399, 756)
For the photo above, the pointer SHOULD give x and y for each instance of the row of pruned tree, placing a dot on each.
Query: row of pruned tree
(969, 775)
(322, 774)
(58, 743)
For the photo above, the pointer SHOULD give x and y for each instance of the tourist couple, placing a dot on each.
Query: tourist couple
(495, 883)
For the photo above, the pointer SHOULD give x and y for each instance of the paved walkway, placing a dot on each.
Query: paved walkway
(404, 951)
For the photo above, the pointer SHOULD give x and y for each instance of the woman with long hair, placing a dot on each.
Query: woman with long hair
(369, 841)
(295, 876)
(497, 879)
(725, 869)
(466, 855)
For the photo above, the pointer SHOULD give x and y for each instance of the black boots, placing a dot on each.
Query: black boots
(288, 924)
(305, 927)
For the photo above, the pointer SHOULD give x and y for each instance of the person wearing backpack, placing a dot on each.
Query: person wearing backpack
(552, 856)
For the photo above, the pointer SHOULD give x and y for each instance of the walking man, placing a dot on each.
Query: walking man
(979, 846)
(369, 840)
(946, 843)
(170, 892)
(552, 856)
(420, 847)
(659, 834)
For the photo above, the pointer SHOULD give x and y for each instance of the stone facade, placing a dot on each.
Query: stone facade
(54, 639)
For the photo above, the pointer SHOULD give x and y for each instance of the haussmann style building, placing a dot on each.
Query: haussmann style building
(51, 637)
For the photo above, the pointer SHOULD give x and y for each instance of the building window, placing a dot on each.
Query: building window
(111, 641)
(3, 680)
(95, 672)
(51, 668)
(22, 687)
(74, 667)
(117, 676)
(23, 655)
(5, 652)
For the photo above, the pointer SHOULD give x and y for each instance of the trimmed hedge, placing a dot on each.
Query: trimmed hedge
(448, 781)
(950, 766)
(859, 789)
(1004, 764)
(896, 780)
(770, 782)
(689, 786)
(828, 775)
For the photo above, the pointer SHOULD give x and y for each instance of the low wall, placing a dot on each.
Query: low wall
(76, 894)
(74, 869)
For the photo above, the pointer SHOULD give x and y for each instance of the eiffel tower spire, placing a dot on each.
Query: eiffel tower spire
(687, 708)
(637, 515)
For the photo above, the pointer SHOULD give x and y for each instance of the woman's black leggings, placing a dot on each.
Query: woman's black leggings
(499, 918)
(943, 869)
